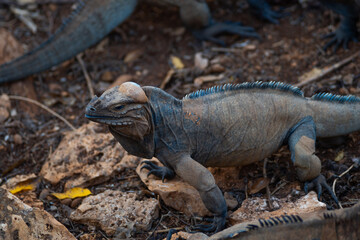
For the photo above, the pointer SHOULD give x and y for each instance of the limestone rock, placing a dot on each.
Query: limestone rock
(12, 182)
(255, 208)
(86, 157)
(116, 212)
(20, 221)
(188, 236)
(175, 193)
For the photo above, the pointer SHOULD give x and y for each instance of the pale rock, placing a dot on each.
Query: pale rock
(200, 62)
(175, 193)
(188, 236)
(20, 221)
(255, 208)
(12, 182)
(116, 212)
(86, 157)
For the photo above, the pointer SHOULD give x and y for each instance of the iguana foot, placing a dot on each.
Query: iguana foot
(210, 32)
(263, 9)
(318, 183)
(218, 224)
(160, 172)
(346, 32)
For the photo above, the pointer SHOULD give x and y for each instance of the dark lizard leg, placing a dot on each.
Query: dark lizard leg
(214, 29)
(160, 172)
(263, 9)
(347, 31)
(196, 16)
(301, 139)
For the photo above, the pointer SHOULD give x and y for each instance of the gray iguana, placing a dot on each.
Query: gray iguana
(94, 19)
(223, 126)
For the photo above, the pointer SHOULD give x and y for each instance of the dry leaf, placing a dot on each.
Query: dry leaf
(314, 73)
(258, 185)
(339, 157)
(133, 55)
(73, 193)
(24, 186)
(176, 62)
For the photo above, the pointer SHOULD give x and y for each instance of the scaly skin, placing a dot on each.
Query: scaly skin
(94, 19)
(231, 125)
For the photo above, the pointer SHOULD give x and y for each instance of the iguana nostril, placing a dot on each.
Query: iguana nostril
(92, 109)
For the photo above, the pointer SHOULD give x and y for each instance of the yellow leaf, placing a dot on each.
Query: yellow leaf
(29, 184)
(176, 62)
(339, 157)
(73, 193)
(22, 187)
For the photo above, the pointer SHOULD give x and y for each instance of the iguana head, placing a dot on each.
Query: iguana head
(124, 109)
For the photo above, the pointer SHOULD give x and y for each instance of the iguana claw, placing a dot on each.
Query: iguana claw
(263, 9)
(343, 35)
(318, 183)
(160, 172)
(218, 223)
(210, 32)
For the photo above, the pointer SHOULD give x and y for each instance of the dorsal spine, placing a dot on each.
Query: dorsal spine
(329, 97)
(247, 85)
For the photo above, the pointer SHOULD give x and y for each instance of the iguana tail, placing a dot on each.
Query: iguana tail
(89, 23)
(335, 115)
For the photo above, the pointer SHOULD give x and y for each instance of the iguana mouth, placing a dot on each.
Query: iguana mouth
(114, 121)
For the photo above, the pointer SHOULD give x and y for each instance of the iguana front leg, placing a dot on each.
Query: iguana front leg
(203, 181)
(301, 141)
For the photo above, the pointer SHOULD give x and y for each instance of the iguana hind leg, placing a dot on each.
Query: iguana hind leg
(301, 141)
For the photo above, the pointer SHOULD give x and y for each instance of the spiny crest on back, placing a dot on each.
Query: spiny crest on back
(247, 85)
(335, 98)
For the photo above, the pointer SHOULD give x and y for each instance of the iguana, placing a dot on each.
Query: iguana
(94, 19)
(223, 126)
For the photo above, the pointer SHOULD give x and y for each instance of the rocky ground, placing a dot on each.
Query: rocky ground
(38, 149)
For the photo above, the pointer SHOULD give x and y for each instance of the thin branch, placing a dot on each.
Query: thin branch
(324, 71)
(87, 77)
(267, 186)
(43, 107)
(333, 186)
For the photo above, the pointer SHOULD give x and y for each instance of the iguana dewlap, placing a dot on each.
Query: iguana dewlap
(223, 126)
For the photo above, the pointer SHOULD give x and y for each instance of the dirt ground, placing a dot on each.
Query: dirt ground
(142, 47)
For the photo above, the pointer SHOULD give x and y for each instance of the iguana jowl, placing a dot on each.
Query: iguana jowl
(230, 125)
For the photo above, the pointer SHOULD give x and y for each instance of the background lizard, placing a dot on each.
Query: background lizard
(94, 19)
(229, 125)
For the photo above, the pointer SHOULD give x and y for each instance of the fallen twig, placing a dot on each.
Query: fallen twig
(333, 186)
(167, 78)
(87, 77)
(268, 194)
(317, 73)
(43, 107)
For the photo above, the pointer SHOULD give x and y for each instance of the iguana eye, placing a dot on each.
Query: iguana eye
(119, 107)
